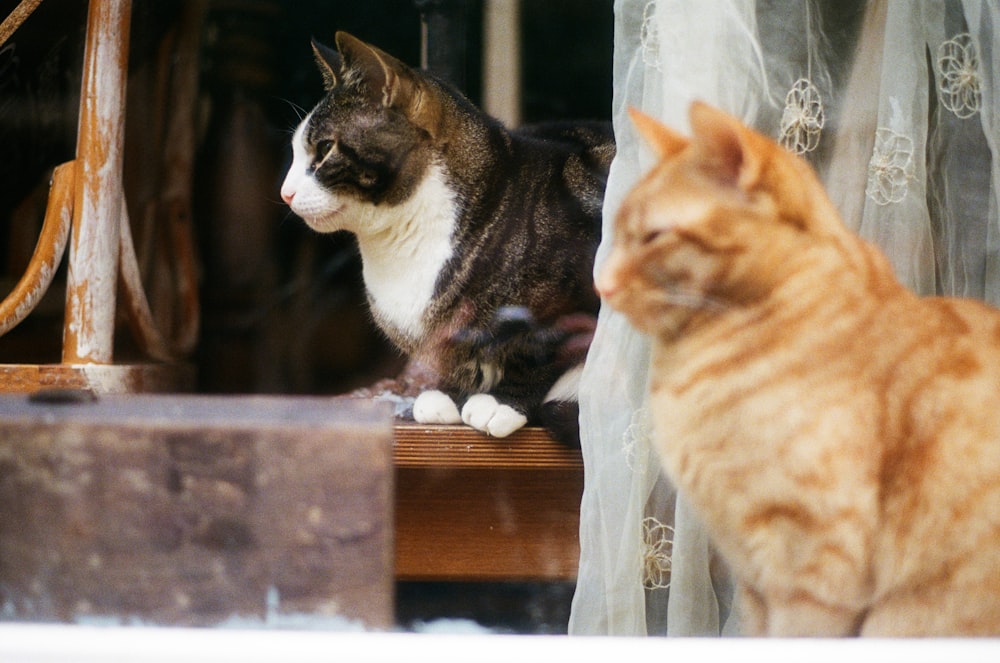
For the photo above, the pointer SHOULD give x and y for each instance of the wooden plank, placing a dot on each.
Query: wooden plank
(473, 508)
(195, 510)
(98, 378)
(422, 445)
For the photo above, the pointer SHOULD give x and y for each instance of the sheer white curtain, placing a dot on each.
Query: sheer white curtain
(894, 103)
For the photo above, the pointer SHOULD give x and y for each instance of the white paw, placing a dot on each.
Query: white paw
(435, 407)
(484, 413)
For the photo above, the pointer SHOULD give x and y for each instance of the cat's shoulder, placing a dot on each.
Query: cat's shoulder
(592, 139)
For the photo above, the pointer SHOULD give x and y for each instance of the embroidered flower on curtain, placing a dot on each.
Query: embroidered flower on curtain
(650, 36)
(891, 167)
(958, 65)
(638, 433)
(803, 118)
(657, 550)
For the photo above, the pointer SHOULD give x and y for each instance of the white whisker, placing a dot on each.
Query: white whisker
(298, 110)
(693, 299)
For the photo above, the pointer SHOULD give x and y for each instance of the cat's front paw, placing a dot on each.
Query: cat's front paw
(484, 413)
(435, 407)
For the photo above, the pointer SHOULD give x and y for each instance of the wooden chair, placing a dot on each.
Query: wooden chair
(86, 210)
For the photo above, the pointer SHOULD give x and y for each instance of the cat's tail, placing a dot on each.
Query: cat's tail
(559, 412)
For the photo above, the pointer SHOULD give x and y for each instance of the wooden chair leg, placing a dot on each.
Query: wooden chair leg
(88, 331)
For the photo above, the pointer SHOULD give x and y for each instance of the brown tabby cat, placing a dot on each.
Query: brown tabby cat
(477, 242)
(839, 436)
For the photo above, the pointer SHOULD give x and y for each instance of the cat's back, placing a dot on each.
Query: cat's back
(550, 178)
(593, 139)
(937, 553)
(949, 365)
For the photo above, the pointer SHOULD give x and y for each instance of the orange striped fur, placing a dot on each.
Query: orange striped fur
(839, 436)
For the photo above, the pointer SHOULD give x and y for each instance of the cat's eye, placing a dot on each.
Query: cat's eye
(323, 148)
(649, 237)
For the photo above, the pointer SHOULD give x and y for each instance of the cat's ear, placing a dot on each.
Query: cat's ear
(662, 139)
(329, 63)
(731, 150)
(377, 69)
(391, 82)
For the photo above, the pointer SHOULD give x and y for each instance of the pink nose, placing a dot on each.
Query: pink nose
(605, 284)
(287, 193)
(603, 289)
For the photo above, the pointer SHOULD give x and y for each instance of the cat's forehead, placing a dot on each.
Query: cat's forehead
(661, 202)
(337, 114)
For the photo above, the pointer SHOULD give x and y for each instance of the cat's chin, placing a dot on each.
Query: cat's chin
(328, 223)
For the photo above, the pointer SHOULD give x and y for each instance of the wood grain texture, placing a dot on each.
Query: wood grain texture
(474, 508)
(195, 510)
(421, 445)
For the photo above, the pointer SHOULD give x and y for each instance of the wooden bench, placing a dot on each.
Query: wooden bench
(473, 508)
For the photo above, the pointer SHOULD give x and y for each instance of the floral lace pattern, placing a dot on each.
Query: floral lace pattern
(803, 118)
(638, 433)
(657, 551)
(891, 167)
(650, 36)
(958, 66)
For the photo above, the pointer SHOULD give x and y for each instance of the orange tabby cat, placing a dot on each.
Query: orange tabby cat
(839, 436)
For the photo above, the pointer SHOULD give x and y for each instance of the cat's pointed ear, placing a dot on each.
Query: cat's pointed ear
(386, 77)
(662, 139)
(390, 82)
(730, 148)
(378, 70)
(329, 63)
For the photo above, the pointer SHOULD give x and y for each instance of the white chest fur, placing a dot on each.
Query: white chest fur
(403, 257)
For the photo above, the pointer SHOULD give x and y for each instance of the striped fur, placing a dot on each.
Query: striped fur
(458, 220)
(839, 435)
